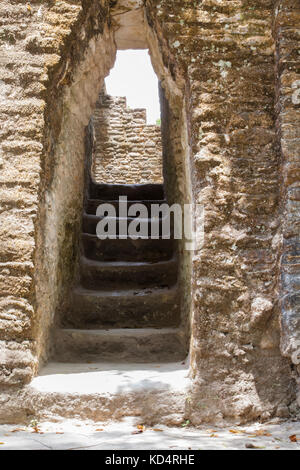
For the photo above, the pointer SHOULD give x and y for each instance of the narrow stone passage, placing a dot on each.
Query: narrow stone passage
(126, 307)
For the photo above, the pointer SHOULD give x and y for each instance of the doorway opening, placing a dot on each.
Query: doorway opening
(126, 123)
(126, 303)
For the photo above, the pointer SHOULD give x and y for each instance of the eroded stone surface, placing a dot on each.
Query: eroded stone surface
(286, 23)
(84, 435)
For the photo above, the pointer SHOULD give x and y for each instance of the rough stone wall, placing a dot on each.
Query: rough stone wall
(177, 189)
(41, 86)
(126, 150)
(224, 52)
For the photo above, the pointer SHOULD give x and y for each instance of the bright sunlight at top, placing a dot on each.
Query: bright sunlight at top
(134, 77)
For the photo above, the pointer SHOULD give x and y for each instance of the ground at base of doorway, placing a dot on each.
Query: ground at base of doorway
(129, 434)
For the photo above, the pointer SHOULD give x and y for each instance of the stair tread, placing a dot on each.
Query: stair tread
(124, 332)
(138, 292)
(102, 390)
(127, 275)
(134, 316)
(104, 377)
(120, 344)
(134, 264)
(92, 236)
(91, 205)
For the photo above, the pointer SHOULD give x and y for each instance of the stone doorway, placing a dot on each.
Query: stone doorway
(123, 307)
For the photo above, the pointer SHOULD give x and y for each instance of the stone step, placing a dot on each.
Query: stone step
(138, 308)
(132, 191)
(154, 393)
(89, 224)
(127, 249)
(93, 204)
(108, 275)
(140, 345)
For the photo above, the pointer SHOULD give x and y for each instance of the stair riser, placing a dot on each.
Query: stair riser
(92, 205)
(128, 250)
(149, 275)
(133, 192)
(76, 346)
(123, 312)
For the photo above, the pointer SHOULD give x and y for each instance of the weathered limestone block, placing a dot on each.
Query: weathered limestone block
(40, 44)
(225, 50)
(16, 318)
(260, 310)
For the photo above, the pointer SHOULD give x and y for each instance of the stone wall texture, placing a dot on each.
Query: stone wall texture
(231, 74)
(126, 149)
(225, 52)
(287, 33)
(47, 51)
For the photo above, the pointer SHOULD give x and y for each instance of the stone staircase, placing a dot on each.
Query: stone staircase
(119, 351)
(126, 307)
